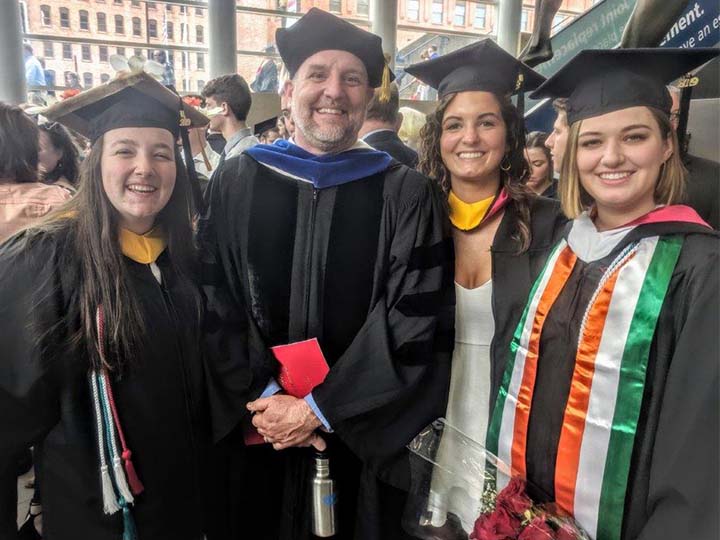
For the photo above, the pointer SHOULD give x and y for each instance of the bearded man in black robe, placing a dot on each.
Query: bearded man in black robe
(324, 237)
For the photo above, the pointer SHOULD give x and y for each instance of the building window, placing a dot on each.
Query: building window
(119, 2)
(183, 31)
(84, 20)
(459, 19)
(168, 7)
(524, 20)
(119, 24)
(184, 59)
(135, 3)
(480, 16)
(64, 18)
(199, 12)
(138, 52)
(151, 5)
(437, 12)
(413, 10)
(363, 7)
(170, 30)
(199, 34)
(137, 26)
(45, 15)
(48, 49)
(200, 61)
(104, 78)
(67, 51)
(85, 51)
(183, 10)
(152, 28)
(184, 85)
(120, 51)
(171, 58)
(103, 50)
(101, 22)
(200, 85)
(87, 79)
(336, 6)
(558, 21)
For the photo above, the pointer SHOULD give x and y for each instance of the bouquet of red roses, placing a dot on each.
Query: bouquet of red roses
(454, 494)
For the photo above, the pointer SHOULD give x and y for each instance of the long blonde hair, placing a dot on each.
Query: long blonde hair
(670, 187)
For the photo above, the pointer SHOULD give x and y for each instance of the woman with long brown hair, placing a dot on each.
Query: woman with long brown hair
(473, 146)
(101, 367)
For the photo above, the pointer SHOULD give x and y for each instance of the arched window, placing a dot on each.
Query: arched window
(101, 22)
(45, 15)
(84, 20)
(199, 34)
(64, 17)
(152, 28)
(170, 29)
(136, 26)
(104, 78)
(119, 24)
(87, 79)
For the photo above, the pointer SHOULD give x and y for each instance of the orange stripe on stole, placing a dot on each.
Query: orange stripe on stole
(563, 267)
(573, 427)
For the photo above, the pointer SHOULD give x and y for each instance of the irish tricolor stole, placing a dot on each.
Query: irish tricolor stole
(601, 415)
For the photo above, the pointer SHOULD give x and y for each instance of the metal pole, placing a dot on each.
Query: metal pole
(383, 18)
(223, 37)
(509, 25)
(12, 68)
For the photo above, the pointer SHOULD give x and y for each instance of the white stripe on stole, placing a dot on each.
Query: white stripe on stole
(507, 426)
(604, 389)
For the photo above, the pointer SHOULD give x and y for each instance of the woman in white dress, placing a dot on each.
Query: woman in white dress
(473, 146)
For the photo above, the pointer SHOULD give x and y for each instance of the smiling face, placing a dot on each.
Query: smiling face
(619, 158)
(472, 143)
(329, 96)
(138, 174)
(539, 169)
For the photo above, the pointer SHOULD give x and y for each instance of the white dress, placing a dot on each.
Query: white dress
(467, 409)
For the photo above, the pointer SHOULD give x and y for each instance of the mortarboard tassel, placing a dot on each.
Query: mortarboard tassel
(110, 505)
(129, 529)
(384, 96)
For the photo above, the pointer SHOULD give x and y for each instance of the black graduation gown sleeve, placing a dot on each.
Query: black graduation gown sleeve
(682, 499)
(28, 380)
(393, 378)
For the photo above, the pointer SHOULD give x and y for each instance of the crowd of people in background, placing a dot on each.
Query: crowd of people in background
(553, 296)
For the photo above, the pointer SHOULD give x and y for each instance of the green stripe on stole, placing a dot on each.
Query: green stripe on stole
(631, 386)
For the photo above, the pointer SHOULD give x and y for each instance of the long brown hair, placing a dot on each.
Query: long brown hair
(18, 145)
(513, 179)
(93, 224)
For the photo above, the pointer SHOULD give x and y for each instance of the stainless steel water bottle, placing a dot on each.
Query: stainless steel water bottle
(324, 498)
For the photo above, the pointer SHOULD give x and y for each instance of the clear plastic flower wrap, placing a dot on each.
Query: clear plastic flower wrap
(454, 494)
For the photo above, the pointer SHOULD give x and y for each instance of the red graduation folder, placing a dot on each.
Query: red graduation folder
(302, 368)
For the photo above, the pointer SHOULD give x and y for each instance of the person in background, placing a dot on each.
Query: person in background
(288, 124)
(613, 414)
(557, 140)
(72, 81)
(102, 369)
(49, 78)
(23, 199)
(541, 165)
(34, 76)
(58, 157)
(231, 94)
(473, 146)
(382, 122)
(412, 122)
(267, 131)
(168, 76)
(703, 184)
(266, 77)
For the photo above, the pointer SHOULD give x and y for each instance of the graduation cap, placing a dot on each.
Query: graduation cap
(596, 82)
(483, 66)
(319, 30)
(130, 100)
(265, 125)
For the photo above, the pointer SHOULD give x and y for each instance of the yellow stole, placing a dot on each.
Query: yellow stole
(143, 248)
(467, 216)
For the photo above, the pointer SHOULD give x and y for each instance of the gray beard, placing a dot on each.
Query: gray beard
(330, 143)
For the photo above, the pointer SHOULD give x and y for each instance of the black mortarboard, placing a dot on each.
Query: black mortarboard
(265, 125)
(480, 66)
(319, 30)
(597, 82)
(130, 100)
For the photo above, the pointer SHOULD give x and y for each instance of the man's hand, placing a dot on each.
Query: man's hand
(285, 421)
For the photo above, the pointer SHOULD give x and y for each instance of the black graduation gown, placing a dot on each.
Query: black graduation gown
(366, 267)
(388, 141)
(45, 398)
(703, 188)
(672, 486)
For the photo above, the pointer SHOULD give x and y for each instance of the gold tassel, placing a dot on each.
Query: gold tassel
(384, 96)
